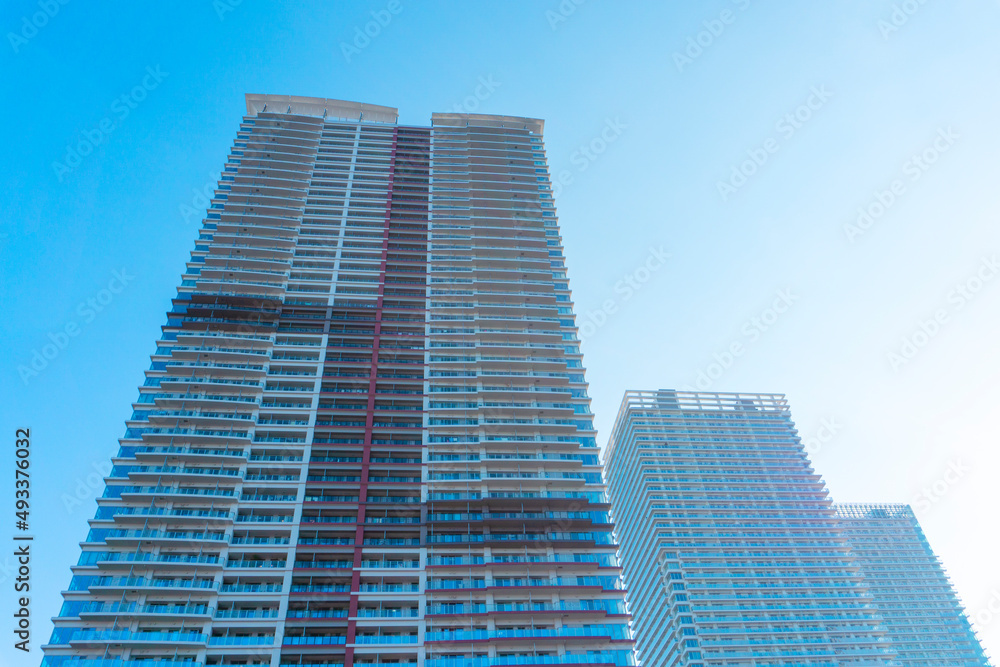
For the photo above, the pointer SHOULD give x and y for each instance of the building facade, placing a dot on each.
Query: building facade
(923, 615)
(730, 546)
(365, 436)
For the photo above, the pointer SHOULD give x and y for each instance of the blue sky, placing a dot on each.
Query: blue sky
(739, 138)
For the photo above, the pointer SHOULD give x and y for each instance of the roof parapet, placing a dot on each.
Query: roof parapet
(320, 108)
(533, 125)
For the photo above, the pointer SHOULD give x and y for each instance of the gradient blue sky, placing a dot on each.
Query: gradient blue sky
(677, 132)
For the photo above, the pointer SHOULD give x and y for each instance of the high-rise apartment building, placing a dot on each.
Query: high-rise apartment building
(730, 546)
(365, 435)
(923, 615)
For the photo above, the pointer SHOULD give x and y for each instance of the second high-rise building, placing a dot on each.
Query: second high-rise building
(923, 615)
(365, 435)
(731, 549)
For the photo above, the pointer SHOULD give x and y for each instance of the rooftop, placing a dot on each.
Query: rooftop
(320, 108)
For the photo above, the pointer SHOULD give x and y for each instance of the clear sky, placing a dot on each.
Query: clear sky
(740, 138)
